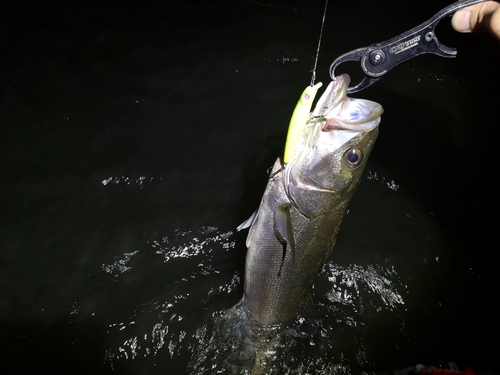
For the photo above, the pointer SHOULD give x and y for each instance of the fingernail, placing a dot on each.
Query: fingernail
(461, 21)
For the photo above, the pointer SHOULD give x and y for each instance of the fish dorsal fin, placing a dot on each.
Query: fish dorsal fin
(284, 230)
(248, 222)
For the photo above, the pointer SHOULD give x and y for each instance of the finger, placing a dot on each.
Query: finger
(482, 16)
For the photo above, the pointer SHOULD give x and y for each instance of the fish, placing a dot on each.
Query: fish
(296, 225)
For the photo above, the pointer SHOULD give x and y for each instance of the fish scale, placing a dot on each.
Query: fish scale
(273, 298)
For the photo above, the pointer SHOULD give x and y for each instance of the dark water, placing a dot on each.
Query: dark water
(136, 137)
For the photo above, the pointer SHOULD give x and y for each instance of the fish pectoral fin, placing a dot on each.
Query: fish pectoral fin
(284, 230)
(248, 222)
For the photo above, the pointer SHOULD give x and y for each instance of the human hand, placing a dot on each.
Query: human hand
(482, 16)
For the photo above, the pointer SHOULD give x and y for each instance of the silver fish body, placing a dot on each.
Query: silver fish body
(296, 225)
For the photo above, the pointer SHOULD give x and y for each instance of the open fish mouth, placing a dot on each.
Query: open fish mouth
(335, 103)
(336, 111)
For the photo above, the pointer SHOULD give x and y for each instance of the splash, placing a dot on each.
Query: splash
(161, 328)
(348, 283)
(120, 264)
(190, 321)
(141, 181)
(371, 175)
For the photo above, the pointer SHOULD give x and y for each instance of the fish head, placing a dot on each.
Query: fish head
(333, 151)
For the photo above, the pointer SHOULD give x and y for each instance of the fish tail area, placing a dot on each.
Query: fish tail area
(263, 359)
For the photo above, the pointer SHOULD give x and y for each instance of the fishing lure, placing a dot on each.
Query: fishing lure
(299, 119)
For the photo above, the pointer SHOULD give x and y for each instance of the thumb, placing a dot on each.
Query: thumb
(481, 16)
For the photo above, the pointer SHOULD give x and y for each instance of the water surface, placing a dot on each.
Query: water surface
(135, 138)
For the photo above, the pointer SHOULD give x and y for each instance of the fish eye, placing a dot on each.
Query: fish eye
(353, 157)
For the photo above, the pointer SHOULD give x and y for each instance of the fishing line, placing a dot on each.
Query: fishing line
(313, 77)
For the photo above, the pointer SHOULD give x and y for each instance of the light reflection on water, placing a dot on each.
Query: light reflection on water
(140, 181)
(356, 277)
(119, 265)
(195, 246)
(162, 328)
(357, 292)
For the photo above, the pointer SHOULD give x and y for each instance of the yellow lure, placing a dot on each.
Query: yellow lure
(299, 119)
